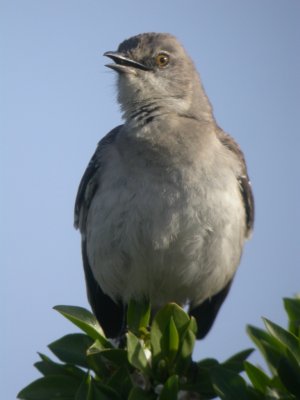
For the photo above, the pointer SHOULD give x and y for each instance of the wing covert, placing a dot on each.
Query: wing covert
(243, 179)
(89, 181)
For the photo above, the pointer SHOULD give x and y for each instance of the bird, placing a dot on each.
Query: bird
(165, 205)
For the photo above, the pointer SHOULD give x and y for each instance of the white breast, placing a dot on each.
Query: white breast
(167, 234)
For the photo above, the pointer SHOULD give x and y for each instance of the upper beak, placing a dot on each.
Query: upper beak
(122, 63)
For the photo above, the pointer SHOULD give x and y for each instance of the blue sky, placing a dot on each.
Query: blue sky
(57, 101)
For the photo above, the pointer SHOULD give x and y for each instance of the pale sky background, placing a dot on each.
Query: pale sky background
(58, 100)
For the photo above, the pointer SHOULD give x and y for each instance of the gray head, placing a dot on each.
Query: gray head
(154, 69)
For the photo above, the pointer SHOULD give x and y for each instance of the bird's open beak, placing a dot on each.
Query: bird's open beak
(122, 63)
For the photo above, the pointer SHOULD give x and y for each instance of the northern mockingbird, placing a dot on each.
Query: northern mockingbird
(165, 204)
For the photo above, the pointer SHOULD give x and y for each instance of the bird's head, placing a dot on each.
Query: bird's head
(154, 69)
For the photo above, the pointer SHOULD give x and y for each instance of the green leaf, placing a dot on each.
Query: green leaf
(289, 374)
(99, 391)
(258, 336)
(292, 307)
(193, 325)
(228, 385)
(138, 316)
(272, 355)
(187, 345)
(286, 338)
(199, 378)
(120, 380)
(271, 348)
(161, 372)
(114, 355)
(136, 353)
(51, 387)
(137, 393)
(86, 321)
(82, 392)
(236, 362)
(184, 356)
(48, 367)
(257, 377)
(170, 341)
(207, 364)
(160, 323)
(170, 389)
(72, 348)
(102, 362)
(99, 365)
(253, 394)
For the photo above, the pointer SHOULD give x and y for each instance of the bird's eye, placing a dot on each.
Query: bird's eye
(162, 60)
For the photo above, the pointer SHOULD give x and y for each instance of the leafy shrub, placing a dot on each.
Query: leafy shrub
(156, 363)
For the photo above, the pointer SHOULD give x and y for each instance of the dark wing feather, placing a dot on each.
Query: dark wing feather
(205, 314)
(109, 314)
(243, 179)
(88, 183)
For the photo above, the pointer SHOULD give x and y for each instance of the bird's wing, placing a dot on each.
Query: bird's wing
(243, 179)
(205, 314)
(109, 314)
(88, 184)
